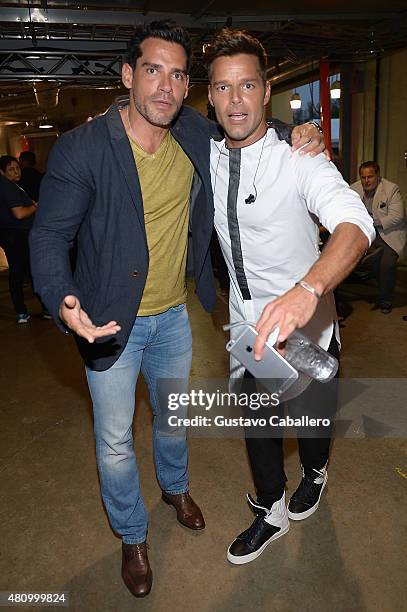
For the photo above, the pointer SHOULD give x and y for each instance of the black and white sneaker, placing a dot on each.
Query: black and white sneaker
(305, 500)
(268, 525)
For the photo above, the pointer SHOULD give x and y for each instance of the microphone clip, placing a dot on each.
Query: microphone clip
(250, 199)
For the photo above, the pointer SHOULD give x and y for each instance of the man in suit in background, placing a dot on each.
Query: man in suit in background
(384, 204)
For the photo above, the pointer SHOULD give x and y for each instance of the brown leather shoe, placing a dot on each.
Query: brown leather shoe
(188, 513)
(136, 570)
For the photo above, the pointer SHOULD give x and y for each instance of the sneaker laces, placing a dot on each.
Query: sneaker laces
(247, 535)
(308, 489)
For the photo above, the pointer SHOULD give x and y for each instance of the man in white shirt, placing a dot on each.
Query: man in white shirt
(267, 204)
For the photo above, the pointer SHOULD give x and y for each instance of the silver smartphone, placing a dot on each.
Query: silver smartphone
(275, 373)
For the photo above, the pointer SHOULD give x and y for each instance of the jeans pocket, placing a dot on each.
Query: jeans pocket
(178, 308)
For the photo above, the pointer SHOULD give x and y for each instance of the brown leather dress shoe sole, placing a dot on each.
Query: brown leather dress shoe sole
(188, 513)
(136, 570)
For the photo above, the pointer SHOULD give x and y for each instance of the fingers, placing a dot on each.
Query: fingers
(271, 318)
(314, 147)
(91, 332)
(299, 141)
(307, 138)
(290, 324)
(70, 301)
(262, 338)
(287, 324)
(69, 310)
(304, 134)
(280, 347)
(288, 312)
(79, 322)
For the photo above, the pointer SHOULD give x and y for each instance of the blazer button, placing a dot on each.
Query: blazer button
(135, 273)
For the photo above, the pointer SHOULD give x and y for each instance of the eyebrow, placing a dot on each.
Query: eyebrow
(151, 65)
(244, 80)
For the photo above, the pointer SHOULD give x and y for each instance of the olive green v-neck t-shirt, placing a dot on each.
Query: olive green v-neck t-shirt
(165, 179)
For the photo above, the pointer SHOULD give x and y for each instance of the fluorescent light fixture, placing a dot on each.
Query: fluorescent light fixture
(295, 101)
(336, 90)
(44, 124)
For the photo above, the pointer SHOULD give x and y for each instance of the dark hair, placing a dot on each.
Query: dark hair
(233, 42)
(6, 160)
(28, 156)
(163, 30)
(370, 164)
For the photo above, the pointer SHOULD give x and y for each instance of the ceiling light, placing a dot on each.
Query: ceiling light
(295, 101)
(44, 124)
(336, 90)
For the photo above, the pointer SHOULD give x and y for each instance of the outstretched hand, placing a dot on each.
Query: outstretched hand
(288, 312)
(77, 320)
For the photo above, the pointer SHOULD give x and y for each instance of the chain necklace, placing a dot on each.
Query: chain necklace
(136, 140)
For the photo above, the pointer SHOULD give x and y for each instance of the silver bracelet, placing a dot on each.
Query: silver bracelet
(309, 288)
(315, 124)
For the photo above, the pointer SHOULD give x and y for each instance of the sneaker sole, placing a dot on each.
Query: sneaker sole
(252, 556)
(300, 516)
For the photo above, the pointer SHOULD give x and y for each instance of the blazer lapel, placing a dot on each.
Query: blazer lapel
(379, 196)
(122, 149)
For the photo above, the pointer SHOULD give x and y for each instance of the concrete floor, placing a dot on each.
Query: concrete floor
(349, 556)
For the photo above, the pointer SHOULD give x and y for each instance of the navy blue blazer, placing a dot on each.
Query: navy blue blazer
(91, 190)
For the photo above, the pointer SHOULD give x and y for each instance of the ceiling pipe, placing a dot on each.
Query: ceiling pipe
(276, 78)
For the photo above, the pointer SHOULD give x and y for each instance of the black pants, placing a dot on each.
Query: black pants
(385, 270)
(15, 245)
(266, 452)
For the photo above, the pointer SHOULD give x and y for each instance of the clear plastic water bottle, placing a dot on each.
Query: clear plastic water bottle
(309, 358)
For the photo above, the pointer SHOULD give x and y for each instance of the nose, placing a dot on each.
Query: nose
(165, 83)
(235, 95)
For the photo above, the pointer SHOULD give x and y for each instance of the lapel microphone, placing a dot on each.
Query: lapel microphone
(251, 198)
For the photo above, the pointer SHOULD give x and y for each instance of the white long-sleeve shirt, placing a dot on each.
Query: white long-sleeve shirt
(279, 232)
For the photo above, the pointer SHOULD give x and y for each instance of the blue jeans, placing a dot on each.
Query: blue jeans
(161, 347)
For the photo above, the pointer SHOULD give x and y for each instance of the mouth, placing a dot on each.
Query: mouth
(237, 117)
(163, 103)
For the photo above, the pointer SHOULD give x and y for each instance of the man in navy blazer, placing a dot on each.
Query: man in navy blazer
(127, 186)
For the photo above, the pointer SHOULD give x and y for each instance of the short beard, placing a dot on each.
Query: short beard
(153, 120)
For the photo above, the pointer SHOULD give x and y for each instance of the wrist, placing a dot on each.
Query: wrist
(314, 289)
(316, 125)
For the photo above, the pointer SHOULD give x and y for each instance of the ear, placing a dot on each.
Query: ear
(186, 87)
(127, 75)
(267, 93)
(210, 96)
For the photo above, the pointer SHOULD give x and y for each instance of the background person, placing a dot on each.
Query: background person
(16, 217)
(384, 204)
(10, 168)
